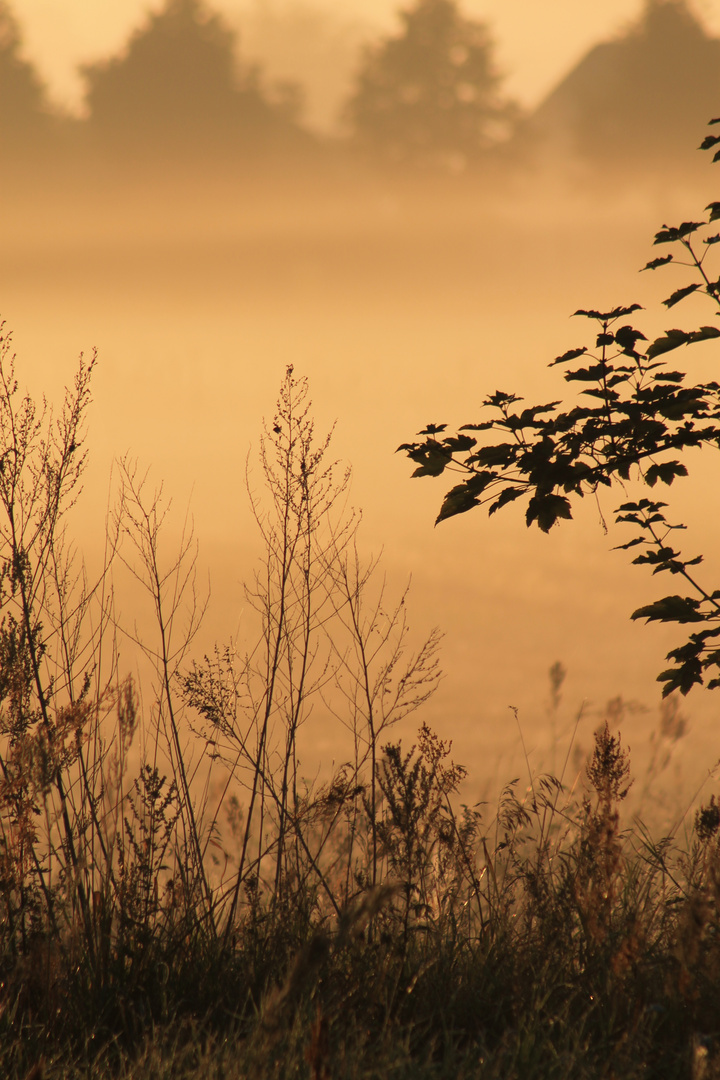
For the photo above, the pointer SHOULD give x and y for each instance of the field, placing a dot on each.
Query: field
(274, 841)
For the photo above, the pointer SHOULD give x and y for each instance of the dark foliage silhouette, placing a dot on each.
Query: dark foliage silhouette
(636, 419)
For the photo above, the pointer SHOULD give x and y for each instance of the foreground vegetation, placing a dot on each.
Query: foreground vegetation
(177, 901)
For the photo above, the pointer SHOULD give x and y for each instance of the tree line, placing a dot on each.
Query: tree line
(428, 94)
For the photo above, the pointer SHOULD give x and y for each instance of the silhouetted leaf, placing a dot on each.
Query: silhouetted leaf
(708, 141)
(479, 481)
(705, 333)
(500, 398)
(673, 339)
(502, 454)
(571, 354)
(433, 429)
(458, 443)
(642, 504)
(714, 207)
(666, 472)
(681, 609)
(458, 500)
(660, 557)
(682, 678)
(671, 234)
(663, 260)
(508, 495)
(433, 459)
(611, 395)
(589, 374)
(547, 509)
(679, 295)
(631, 543)
(627, 338)
(608, 316)
(528, 416)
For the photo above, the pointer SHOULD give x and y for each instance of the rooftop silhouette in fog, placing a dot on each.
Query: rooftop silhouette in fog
(644, 97)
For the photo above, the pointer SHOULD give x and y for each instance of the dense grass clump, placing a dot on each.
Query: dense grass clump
(175, 900)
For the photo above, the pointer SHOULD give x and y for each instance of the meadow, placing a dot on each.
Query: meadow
(238, 836)
(179, 899)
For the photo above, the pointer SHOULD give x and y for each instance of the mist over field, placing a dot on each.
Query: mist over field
(406, 295)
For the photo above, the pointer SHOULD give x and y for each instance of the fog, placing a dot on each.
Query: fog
(405, 299)
(400, 312)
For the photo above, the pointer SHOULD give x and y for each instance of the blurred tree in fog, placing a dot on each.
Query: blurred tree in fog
(178, 86)
(25, 118)
(642, 98)
(431, 94)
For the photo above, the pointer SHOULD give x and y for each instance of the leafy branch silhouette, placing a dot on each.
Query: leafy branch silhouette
(637, 418)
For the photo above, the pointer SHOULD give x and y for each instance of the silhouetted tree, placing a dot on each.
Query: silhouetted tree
(178, 85)
(24, 114)
(632, 418)
(431, 94)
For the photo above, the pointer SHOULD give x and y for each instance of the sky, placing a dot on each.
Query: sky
(536, 43)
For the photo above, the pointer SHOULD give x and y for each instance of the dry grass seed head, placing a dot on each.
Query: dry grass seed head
(609, 767)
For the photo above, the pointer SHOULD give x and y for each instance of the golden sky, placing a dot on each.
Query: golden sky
(537, 42)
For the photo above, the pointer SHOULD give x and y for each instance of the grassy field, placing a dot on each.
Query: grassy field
(178, 900)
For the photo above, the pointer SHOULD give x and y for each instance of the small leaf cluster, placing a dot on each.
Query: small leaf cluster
(634, 417)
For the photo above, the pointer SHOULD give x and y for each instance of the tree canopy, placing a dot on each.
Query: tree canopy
(179, 83)
(429, 95)
(24, 112)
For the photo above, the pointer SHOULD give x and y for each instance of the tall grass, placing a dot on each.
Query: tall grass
(176, 900)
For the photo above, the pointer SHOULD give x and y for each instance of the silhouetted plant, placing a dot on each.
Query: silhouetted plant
(325, 642)
(427, 851)
(641, 418)
(541, 941)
